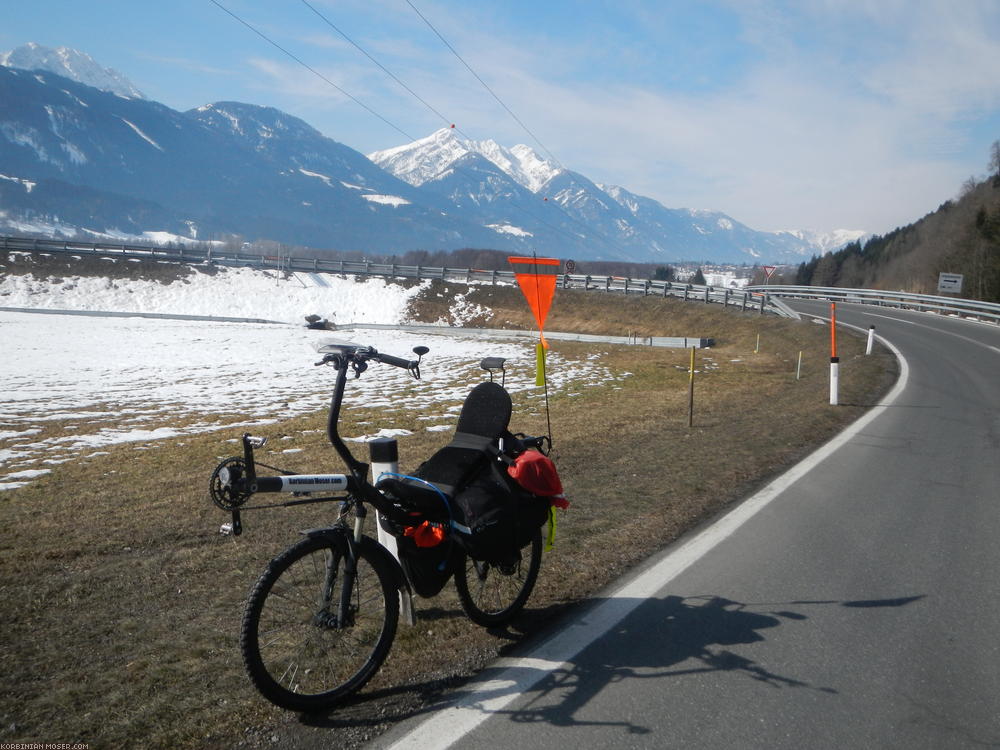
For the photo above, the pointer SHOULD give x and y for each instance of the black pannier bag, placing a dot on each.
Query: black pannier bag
(489, 516)
(494, 517)
(427, 568)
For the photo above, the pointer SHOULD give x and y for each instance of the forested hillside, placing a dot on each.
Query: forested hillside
(961, 236)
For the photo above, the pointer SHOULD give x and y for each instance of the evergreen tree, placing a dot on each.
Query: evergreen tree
(995, 163)
(664, 273)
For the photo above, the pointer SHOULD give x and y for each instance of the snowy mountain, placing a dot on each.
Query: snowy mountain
(76, 155)
(611, 221)
(426, 158)
(82, 151)
(825, 242)
(69, 63)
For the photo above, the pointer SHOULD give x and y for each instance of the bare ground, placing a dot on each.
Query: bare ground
(124, 602)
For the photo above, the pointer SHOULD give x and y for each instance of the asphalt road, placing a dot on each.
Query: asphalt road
(852, 604)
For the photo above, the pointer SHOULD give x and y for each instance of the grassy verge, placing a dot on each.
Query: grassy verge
(123, 601)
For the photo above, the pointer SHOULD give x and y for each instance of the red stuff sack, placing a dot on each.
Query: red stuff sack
(537, 474)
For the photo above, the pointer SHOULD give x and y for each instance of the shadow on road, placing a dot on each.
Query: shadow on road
(659, 638)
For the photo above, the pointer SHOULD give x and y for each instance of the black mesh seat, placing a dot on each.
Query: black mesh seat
(484, 418)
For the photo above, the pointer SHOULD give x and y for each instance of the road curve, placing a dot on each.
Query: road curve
(853, 603)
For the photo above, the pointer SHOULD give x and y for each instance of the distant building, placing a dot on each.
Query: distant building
(725, 280)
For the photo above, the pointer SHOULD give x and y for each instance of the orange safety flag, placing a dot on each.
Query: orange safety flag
(537, 278)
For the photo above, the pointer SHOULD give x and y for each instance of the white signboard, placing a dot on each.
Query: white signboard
(950, 283)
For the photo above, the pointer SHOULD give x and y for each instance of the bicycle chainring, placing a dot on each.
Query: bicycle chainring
(226, 487)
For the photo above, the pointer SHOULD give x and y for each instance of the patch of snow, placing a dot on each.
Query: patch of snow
(142, 135)
(462, 311)
(28, 184)
(317, 175)
(75, 154)
(509, 229)
(75, 98)
(28, 137)
(28, 474)
(386, 200)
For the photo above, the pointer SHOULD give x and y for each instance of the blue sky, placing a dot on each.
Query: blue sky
(817, 114)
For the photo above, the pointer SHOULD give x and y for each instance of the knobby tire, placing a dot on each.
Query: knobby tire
(296, 651)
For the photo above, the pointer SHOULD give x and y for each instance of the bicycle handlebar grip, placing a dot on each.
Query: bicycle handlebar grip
(388, 359)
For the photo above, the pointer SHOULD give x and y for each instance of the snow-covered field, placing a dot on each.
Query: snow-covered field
(228, 292)
(71, 385)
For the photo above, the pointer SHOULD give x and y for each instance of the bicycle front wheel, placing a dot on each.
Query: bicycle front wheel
(493, 594)
(309, 642)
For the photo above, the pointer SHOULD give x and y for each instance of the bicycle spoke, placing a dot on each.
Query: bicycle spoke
(297, 650)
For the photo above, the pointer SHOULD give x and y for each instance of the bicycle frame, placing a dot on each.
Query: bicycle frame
(238, 480)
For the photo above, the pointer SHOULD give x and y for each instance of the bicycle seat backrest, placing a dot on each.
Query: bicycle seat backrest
(483, 420)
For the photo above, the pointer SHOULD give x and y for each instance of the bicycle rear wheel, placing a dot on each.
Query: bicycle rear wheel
(493, 594)
(307, 643)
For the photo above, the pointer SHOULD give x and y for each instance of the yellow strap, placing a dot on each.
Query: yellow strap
(551, 540)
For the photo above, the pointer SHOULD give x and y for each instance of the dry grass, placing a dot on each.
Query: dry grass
(123, 601)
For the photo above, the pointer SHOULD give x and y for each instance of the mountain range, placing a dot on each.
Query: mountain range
(81, 150)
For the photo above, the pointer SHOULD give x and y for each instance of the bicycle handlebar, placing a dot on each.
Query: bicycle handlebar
(388, 359)
(344, 353)
(522, 442)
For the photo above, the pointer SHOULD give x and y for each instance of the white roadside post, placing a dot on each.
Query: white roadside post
(384, 454)
(871, 340)
(834, 359)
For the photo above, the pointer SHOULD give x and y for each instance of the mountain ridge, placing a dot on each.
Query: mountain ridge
(233, 168)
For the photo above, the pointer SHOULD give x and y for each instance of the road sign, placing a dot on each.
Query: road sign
(950, 283)
(768, 270)
(570, 266)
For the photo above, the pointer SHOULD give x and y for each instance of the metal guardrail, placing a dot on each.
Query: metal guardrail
(676, 342)
(965, 308)
(758, 300)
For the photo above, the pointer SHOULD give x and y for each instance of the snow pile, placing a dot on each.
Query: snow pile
(230, 292)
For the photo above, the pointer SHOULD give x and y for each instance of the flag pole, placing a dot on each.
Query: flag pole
(541, 361)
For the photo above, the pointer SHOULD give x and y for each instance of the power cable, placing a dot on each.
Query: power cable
(588, 229)
(485, 85)
(312, 70)
(384, 69)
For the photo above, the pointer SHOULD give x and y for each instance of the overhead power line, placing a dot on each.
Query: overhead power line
(485, 85)
(312, 70)
(384, 69)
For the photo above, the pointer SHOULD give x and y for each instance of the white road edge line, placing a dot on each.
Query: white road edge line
(496, 690)
(937, 330)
